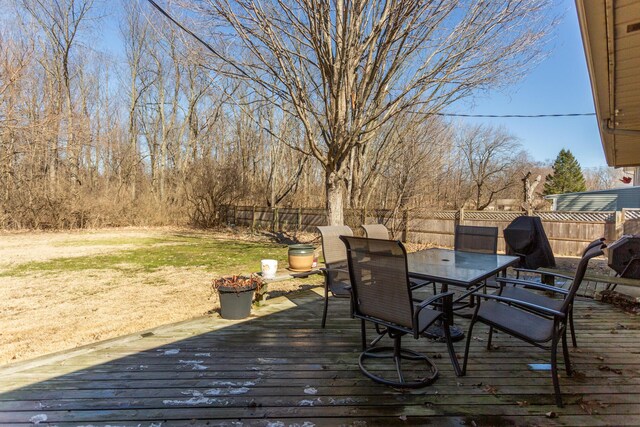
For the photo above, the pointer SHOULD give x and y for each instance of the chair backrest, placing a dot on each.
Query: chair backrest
(376, 231)
(470, 238)
(580, 272)
(380, 280)
(333, 249)
(597, 242)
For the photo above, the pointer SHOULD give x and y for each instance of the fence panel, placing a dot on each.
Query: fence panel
(244, 216)
(288, 218)
(631, 221)
(568, 232)
(311, 218)
(431, 227)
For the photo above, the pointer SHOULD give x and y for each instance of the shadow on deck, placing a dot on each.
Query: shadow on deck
(280, 368)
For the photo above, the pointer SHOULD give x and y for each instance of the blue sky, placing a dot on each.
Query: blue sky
(559, 84)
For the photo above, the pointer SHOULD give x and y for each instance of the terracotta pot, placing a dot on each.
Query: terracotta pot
(300, 257)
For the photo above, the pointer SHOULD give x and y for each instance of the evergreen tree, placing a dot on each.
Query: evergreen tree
(566, 177)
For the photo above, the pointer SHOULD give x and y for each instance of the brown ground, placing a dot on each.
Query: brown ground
(42, 313)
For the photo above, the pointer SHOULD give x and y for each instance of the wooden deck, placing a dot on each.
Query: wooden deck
(280, 369)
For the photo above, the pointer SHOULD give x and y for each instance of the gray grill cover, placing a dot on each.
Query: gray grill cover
(525, 237)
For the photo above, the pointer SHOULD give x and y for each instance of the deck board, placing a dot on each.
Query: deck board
(279, 368)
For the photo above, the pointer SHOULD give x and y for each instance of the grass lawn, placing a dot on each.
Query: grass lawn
(62, 290)
(212, 254)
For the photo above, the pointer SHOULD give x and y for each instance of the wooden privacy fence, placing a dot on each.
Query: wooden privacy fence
(568, 232)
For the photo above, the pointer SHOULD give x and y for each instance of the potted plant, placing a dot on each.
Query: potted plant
(301, 257)
(236, 294)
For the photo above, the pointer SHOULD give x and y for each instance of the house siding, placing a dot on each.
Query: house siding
(593, 201)
(587, 202)
(629, 199)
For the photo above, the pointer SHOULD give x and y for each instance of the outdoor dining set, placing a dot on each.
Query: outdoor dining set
(421, 293)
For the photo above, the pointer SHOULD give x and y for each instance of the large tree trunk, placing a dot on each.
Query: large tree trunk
(335, 188)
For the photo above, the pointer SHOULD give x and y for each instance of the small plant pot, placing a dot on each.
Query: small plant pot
(301, 257)
(235, 303)
(269, 267)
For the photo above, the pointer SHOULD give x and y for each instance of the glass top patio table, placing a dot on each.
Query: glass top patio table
(459, 268)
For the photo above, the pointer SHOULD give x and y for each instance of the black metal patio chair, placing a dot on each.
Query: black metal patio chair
(535, 323)
(336, 272)
(518, 289)
(471, 238)
(376, 231)
(382, 294)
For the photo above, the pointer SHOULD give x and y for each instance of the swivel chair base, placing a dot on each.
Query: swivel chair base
(397, 355)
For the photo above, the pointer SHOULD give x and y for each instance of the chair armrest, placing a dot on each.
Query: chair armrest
(533, 285)
(543, 273)
(326, 270)
(431, 300)
(447, 309)
(540, 309)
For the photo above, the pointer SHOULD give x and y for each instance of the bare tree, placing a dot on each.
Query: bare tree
(488, 155)
(345, 68)
(60, 21)
(134, 31)
(602, 178)
(529, 191)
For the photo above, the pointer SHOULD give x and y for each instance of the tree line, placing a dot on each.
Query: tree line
(287, 105)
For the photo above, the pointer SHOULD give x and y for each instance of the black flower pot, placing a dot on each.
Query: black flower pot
(235, 302)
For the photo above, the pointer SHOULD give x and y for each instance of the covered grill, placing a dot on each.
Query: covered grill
(624, 256)
(525, 237)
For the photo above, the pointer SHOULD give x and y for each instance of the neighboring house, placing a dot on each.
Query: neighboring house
(613, 199)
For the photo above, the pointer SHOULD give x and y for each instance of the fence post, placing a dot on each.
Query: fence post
(235, 215)
(405, 221)
(299, 219)
(619, 224)
(461, 217)
(253, 218)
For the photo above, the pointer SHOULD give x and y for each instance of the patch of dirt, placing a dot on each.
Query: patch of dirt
(42, 313)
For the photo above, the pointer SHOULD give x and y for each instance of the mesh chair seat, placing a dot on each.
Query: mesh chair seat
(426, 318)
(522, 323)
(340, 288)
